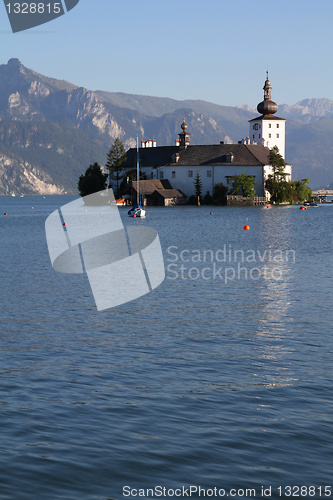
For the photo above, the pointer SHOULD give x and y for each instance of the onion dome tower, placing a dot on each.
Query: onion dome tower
(268, 130)
(184, 137)
(267, 106)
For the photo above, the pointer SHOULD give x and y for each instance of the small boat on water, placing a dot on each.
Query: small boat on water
(137, 210)
(311, 203)
(120, 202)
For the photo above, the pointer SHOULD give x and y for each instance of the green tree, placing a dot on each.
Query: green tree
(208, 199)
(281, 191)
(92, 181)
(115, 159)
(198, 187)
(278, 164)
(220, 193)
(302, 190)
(243, 185)
(276, 184)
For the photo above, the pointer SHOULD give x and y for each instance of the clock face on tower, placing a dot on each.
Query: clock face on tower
(24, 15)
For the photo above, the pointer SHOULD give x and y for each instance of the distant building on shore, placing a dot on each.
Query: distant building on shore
(217, 163)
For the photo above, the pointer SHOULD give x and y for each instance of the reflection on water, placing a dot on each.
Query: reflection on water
(272, 366)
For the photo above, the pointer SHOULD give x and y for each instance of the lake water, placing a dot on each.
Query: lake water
(220, 378)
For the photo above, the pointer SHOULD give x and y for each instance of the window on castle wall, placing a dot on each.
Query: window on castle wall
(259, 136)
(256, 126)
(277, 125)
(190, 173)
(259, 125)
(173, 174)
(161, 175)
(209, 173)
(277, 135)
(269, 125)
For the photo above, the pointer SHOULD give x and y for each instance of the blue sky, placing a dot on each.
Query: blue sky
(214, 50)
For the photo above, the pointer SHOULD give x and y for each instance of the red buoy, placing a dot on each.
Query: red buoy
(65, 224)
(246, 227)
(211, 213)
(5, 213)
(134, 215)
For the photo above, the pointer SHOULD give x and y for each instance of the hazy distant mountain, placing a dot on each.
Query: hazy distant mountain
(308, 110)
(52, 130)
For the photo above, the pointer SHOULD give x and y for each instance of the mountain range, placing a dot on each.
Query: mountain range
(52, 130)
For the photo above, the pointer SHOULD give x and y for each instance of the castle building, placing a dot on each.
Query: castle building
(217, 163)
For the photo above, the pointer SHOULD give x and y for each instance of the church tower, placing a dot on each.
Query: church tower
(184, 137)
(267, 129)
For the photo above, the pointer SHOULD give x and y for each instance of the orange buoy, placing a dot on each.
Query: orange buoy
(246, 227)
